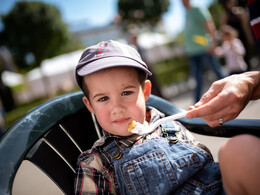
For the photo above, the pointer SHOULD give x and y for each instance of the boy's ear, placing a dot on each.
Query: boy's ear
(147, 89)
(87, 104)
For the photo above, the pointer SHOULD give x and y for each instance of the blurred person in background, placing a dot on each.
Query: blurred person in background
(232, 49)
(239, 157)
(238, 18)
(200, 43)
(133, 41)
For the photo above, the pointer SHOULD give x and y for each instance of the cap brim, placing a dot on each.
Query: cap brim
(109, 62)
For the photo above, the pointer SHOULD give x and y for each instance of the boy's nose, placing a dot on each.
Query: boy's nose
(118, 107)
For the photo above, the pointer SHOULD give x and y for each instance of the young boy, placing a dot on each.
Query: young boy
(113, 78)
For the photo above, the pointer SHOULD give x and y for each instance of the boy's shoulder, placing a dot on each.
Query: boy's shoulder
(89, 154)
(90, 158)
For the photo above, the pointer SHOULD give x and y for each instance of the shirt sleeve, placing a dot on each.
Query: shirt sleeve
(92, 177)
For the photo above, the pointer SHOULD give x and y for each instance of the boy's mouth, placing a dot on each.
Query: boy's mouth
(121, 120)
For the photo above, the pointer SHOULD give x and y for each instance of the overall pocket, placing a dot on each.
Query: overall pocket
(161, 168)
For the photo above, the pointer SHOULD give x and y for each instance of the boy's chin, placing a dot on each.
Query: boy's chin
(125, 133)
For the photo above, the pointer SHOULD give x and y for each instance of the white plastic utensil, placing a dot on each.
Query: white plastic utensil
(141, 129)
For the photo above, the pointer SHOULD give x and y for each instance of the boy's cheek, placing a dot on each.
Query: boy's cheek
(100, 117)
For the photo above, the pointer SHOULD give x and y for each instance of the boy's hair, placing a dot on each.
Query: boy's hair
(108, 54)
(141, 76)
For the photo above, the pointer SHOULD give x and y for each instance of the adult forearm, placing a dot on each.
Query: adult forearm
(255, 84)
(211, 30)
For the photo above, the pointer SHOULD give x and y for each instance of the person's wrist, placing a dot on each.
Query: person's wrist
(253, 83)
(256, 90)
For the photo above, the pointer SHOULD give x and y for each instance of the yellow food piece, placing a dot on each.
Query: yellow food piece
(131, 126)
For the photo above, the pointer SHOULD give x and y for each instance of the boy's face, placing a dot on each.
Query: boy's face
(117, 98)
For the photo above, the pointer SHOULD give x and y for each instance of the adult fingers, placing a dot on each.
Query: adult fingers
(213, 91)
(207, 109)
(213, 111)
(220, 117)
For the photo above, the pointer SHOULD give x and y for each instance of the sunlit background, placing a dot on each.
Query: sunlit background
(82, 14)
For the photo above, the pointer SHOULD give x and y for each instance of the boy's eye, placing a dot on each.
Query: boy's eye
(103, 99)
(126, 93)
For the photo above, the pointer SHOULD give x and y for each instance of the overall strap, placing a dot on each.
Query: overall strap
(169, 131)
(112, 151)
(169, 127)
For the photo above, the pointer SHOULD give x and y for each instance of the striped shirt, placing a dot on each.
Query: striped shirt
(95, 173)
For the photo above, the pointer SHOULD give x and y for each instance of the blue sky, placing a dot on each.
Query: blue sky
(101, 12)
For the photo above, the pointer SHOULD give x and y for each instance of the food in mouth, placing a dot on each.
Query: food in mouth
(135, 127)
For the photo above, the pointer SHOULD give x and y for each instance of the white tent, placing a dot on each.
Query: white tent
(150, 40)
(53, 75)
(11, 78)
(55, 66)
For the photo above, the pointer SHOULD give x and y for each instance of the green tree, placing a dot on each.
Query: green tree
(34, 31)
(147, 12)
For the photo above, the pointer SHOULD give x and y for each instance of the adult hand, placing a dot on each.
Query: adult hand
(226, 98)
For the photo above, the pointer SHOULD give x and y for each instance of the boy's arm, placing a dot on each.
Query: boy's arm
(93, 178)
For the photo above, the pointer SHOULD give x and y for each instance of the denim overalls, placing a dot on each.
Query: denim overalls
(164, 166)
